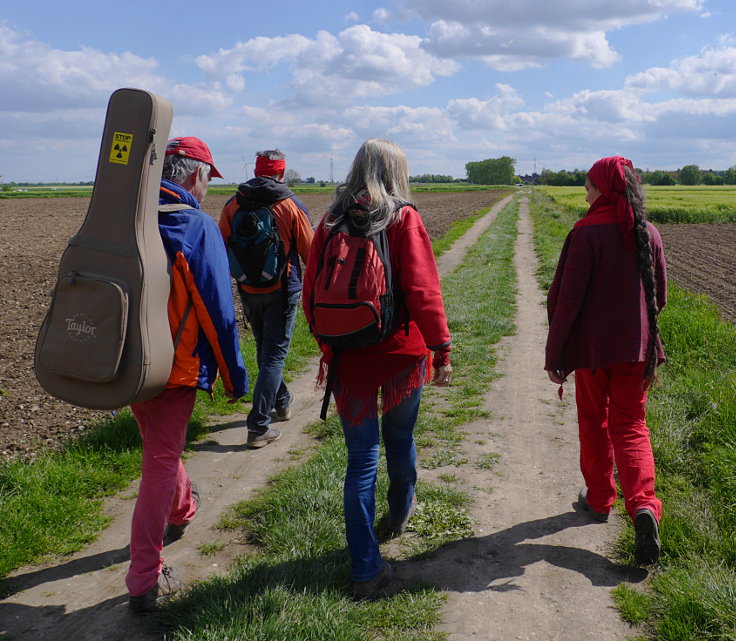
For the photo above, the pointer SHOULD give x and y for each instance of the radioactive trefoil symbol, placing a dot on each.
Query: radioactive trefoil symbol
(121, 150)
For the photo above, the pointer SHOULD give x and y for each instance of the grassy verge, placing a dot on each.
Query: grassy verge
(296, 583)
(692, 419)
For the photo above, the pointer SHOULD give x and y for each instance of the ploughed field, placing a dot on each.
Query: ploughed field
(702, 258)
(35, 233)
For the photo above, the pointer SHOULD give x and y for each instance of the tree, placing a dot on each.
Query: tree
(659, 178)
(492, 171)
(291, 177)
(690, 175)
(729, 176)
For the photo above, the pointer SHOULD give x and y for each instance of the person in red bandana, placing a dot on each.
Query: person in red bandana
(602, 306)
(271, 311)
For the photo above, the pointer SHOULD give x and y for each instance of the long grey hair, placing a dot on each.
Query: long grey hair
(378, 180)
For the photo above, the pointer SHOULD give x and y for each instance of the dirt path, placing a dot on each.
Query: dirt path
(534, 570)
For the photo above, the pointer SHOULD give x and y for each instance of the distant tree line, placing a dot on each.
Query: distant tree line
(492, 171)
(687, 175)
(433, 178)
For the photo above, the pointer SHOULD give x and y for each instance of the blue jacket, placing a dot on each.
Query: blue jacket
(200, 273)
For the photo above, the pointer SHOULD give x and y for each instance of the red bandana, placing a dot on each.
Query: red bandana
(267, 167)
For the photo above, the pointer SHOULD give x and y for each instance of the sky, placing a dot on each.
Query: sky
(554, 84)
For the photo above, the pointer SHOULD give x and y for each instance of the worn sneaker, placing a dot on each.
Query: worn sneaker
(379, 586)
(397, 528)
(256, 439)
(175, 532)
(646, 541)
(168, 583)
(583, 503)
(284, 413)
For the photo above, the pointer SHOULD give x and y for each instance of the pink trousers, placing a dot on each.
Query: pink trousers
(165, 493)
(612, 425)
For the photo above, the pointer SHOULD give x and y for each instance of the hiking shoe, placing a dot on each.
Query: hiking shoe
(168, 583)
(583, 503)
(397, 528)
(377, 587)
(256, 439)
(175, 532)
(284, 413)
(646, 541)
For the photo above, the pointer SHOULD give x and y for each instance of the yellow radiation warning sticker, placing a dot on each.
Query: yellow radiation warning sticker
(120, 151)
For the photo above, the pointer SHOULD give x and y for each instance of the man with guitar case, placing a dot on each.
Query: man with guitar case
(143, 315)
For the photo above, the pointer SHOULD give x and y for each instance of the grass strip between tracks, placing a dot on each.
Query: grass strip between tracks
(296, 583)
(692, 419)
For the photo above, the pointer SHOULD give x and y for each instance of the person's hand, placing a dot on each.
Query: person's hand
(232, 399)
(557, 376)
(442, 376)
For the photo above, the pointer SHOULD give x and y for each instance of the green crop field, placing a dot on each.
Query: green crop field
(678, 204)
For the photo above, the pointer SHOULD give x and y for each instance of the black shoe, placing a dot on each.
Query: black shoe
(175, 532)
(397, 528)
(583, 503)
(256, 439)
(379, 586)
(168, 583)
(646, 542)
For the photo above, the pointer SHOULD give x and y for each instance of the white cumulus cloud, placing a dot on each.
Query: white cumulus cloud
(511, 36)
(712, 73)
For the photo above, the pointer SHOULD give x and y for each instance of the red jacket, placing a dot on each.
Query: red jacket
(415, 271)
(596, 305)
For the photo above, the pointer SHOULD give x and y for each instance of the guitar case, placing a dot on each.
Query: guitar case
(105, 341)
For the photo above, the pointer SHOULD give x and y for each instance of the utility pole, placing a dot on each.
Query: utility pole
(332, 171)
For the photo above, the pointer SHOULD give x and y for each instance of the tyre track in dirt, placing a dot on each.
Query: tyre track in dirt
(535, 569)
(83, 596)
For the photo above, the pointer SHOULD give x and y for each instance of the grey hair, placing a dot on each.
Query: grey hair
(272, 154)
(378, 178)
(178, 169)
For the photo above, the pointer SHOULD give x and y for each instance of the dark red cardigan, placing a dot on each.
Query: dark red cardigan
(596, 306)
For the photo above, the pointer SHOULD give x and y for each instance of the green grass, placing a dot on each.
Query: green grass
(692, 420)
(677, 204)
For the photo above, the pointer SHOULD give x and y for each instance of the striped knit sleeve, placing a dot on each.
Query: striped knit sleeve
(566, 297)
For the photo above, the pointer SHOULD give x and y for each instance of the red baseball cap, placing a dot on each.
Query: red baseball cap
(194, 148)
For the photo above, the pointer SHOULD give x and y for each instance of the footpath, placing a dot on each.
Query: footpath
(535, 569)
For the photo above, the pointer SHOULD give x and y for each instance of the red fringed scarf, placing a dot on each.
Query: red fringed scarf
(356, 401)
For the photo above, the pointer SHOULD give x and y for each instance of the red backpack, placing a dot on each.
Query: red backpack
(355, 301)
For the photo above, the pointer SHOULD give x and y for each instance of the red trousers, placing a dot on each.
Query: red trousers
(165, 494)
(611, 419)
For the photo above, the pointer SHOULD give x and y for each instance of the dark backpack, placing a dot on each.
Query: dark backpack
(255, 250)
(355, 301)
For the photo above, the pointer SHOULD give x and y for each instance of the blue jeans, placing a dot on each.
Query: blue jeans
(362, 441)
(272, 326)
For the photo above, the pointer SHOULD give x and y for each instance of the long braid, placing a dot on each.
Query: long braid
(635, 196)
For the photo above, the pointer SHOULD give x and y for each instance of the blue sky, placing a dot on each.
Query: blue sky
(552, 83)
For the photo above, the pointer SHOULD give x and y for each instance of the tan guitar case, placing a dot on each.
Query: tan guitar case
(105, 341)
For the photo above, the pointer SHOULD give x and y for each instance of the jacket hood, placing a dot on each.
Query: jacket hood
(264, 190)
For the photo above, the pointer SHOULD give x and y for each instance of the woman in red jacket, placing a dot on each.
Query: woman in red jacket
(610, 285)
(398, 366)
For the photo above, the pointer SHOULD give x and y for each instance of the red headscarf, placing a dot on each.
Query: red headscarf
(607, 175)
(267, 167)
